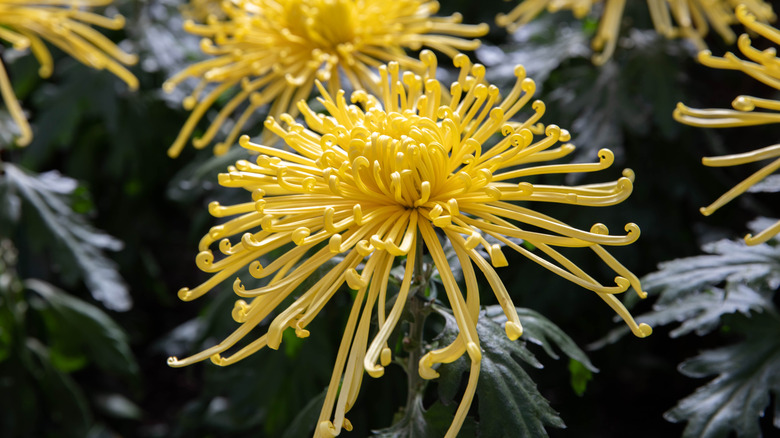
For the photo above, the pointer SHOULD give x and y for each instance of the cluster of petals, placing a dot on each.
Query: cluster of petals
(200, 10)
(26, 24)
(761, 65)
(689, 19)
(264, 51)
(363, 186)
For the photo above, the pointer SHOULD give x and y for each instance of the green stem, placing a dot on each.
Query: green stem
(417, 307)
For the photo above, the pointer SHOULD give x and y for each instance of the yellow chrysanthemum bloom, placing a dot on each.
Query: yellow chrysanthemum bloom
(200, 10)
(762, 65)
(28, 23)
(605, 39)
(672, 18)
(273, 51)
(371, 181)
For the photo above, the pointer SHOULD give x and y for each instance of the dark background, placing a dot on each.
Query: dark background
(113, 142)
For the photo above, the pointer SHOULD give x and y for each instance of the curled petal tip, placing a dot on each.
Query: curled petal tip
(425, 368)
(623, 283)
(385, 357)
(513, 330)
(643, 330)
(354, 280)
(184, 294)
(326, 429)
(375, 371)
(632, 228)
(240, 309)
(216, 359)
(168, 86)
(743, 103)
(300, 234)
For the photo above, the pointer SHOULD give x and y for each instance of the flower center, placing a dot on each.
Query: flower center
(403, 158)
(326, 23)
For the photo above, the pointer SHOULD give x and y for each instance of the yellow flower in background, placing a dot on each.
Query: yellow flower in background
(692, 19)
(273, 50)
(763, 66)
(605, 39)
(372, 180)
(200, 10)
(689, 19)
(26, 24)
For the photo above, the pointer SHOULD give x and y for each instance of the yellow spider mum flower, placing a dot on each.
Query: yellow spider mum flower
(761, 65)
(672, 18)
(28, 23)
(606, 35)
(376, 178)
(694, 17)
(200, 10)
(273, 50)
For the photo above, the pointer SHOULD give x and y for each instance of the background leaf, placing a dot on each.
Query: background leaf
(48, 194)
(509, 402)
(747, 372)
(98, 335)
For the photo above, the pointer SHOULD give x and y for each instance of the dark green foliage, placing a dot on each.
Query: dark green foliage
(509, 403)
(46, 336)
(747, 372)
(48, 196)
(73, 365)
(77, 327)
(733, 288)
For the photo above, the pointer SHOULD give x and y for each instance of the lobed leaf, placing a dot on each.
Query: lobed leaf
(85, 325)
(509, 402)
(747, 373)
(698, 291)
(47, 194)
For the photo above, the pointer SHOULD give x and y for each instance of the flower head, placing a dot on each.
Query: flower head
(376, 178)
(763, 66)
(200, 10)
(28, 23)
(689, 19)
(273, 50)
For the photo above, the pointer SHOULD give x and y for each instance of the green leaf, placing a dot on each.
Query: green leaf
(739, 395)
(200, 175)
(49, 196)
(80, 323)
(58, 394)
(700, 313)
(689, 293)
(770, 184)
(541, 331)
(118, 406)
(426, 423)
(509, 402)
(306, 420)
(729, 261)
(580, 376)
(540, 46)
(9, 131)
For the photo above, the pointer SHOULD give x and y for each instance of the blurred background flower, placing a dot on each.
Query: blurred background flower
(689, 19)
(269, 52)
(761, 65)
(66, 25)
